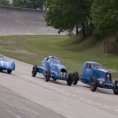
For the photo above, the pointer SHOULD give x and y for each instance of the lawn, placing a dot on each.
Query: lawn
(32, 49)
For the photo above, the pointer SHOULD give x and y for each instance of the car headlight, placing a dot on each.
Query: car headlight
(63, 74)
(101, 81)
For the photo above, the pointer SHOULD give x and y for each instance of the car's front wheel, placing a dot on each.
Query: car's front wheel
(34, 71)
(54, 79)
(70, 79)
(116, 88)
(93, 84)
(47, 75)
(75, 78)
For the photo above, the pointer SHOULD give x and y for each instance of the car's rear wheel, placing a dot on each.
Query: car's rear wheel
(116, 88)
(47, 75)
(34, 71)
(9, 71)
(70, 79)
(0, 70)
(75, 78)
(93, 84)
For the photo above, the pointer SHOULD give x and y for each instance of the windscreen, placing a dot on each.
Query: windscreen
(97, 66)
(2, 58)
(55, 60)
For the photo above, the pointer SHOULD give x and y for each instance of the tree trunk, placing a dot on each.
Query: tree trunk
(83, 28)
(77, 31)
(83, 31)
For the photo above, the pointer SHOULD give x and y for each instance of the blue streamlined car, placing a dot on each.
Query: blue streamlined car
(52, 68)
(8, 66)
(95, 75)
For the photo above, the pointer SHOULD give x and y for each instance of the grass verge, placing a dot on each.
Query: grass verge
(32, 49)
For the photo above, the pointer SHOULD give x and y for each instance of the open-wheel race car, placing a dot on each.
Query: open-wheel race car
(95, 75)
(7, 66)
(52, 68)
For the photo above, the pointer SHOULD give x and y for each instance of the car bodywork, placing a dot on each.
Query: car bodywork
(8, 66)
(51, 67)
(95, 75)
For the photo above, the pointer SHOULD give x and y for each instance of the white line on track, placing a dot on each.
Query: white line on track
(89, 101)
(98, 104)
(59, 90)
(49, 86)
(39, 82)
(116, 110)
(74, 95)
(106, 107)
(17, 116)
(83, 99)
(9, 111)
(67, 93)
(44, 84)
(62, 91)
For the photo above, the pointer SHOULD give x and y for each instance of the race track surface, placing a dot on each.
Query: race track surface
(14, 106)
(23, 22)
(55, 98)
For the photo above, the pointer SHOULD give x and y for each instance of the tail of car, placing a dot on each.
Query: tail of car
(11, 65)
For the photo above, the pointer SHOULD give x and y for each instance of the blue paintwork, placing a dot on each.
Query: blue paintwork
(4, 65)
(97, 71)
(53, 64)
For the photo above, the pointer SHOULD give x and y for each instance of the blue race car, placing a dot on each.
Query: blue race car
(52, 68)
(8, 66)
(95, 75)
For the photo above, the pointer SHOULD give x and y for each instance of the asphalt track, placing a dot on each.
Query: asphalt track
(14, 106)
(23, 22)
(55, 98)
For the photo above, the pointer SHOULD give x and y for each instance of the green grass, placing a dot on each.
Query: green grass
(32, 49)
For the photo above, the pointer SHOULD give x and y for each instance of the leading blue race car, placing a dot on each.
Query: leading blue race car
(8, 66)
(52, 68)
(95, 75)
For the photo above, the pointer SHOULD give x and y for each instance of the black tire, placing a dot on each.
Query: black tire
(9, 71)
(93, 84)
(47, 75)
(0, 70)
(75, 78)
(116, 88)
(70, 79)
(54, 79)
(34, 71)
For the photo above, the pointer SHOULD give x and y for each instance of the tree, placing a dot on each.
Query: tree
(67, 14)
(39, 4)
(105, 16)
(5, 2)
(21, 3)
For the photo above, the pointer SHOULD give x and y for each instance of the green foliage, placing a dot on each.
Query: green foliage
(4, 2)
(101, 15)
(21, 3)
(67, 14)
(105, 16)
(28, 3)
